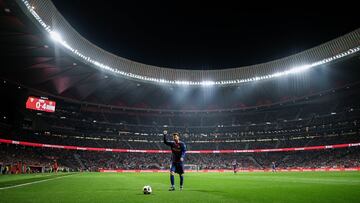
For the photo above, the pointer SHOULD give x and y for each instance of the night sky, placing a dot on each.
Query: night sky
(208, 36)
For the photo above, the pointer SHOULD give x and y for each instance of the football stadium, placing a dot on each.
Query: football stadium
(93, 112)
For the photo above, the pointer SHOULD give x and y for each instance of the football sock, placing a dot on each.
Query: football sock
(181, 180)
(172, 180)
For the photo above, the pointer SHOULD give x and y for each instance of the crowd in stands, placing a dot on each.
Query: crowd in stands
(16, 159)
(198, 142)
(40, 159)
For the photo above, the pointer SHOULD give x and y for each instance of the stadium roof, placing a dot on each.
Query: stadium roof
(47, 18)
(33, 60)
(215, 35)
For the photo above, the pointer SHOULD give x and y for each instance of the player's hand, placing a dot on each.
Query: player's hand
(181, 159)
(165, 132)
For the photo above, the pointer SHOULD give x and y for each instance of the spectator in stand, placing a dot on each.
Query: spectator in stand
(55, 166)
(273, 166)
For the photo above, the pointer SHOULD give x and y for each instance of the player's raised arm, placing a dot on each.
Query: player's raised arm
(165, 140)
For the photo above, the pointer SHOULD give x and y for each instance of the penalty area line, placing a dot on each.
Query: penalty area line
(34, 182)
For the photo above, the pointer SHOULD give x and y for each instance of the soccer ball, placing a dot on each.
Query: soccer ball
(147, 190)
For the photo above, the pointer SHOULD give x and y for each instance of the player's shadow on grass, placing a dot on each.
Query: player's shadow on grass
(142, 194)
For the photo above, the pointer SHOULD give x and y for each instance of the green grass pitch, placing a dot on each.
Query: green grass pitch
(199, 187)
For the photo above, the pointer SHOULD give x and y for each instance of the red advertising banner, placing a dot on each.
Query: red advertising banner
(322, 147)
(227, 170)
(39, 104)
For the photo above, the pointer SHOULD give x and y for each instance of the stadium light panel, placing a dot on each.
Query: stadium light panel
(55, 36)
(207, 83)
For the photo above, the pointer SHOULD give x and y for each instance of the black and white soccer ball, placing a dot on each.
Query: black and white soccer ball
(147, 190)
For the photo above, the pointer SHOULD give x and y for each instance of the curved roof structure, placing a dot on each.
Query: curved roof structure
(39, 66)
(50, 21)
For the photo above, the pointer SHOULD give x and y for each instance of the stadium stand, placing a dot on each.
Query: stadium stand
(328, 119)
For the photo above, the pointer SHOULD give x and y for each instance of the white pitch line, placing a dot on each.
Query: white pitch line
(39, 181)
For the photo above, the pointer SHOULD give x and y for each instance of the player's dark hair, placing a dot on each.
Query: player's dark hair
(177, 134)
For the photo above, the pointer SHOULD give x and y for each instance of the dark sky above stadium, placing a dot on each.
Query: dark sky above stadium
(207, 36)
